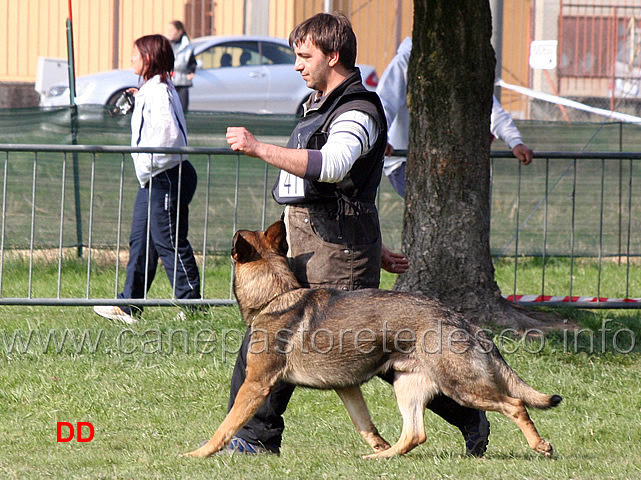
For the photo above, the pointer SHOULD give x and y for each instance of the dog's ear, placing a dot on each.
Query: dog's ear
(242, 251)
(277, 236)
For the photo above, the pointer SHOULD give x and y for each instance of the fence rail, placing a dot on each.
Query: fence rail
(566, 204)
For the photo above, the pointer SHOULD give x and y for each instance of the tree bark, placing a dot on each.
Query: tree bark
(446, 225)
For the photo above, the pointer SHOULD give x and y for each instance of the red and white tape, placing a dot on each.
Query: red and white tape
(567, 299)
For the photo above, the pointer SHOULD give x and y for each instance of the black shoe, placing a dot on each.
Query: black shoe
(477, 436)
(239, 446)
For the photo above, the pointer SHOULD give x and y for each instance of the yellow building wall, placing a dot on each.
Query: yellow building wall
(104, 30)
(36, 28)
(281, 18)
(380, 26)
(229, 17)
(517, 36)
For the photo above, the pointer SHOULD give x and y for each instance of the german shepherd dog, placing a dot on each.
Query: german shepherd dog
(330, 339)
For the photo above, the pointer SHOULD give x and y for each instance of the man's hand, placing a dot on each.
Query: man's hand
(389, 150)
(239, 139)
(393, 262)
(523, 153)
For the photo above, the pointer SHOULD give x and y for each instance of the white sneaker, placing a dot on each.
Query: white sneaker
(114, 313)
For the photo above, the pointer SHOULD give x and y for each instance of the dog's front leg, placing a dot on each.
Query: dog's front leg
(251, 395)
(355, 404)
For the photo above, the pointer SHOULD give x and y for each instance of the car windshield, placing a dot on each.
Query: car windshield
(245, 53)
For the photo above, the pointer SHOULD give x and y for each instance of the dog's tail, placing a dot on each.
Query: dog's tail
(516, 387)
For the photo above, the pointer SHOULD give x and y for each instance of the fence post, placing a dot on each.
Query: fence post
(74, 131)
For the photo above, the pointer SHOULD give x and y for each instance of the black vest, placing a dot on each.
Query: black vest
(312, 131)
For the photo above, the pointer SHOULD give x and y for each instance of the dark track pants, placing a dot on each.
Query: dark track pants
(156, 208)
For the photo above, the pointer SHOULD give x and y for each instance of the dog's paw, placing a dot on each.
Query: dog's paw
(189, 454)
(545, 448)
(389, 453)
(198, 453)
(381, 446)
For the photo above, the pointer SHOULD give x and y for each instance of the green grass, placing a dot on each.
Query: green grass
(157, 389)
(582, 277)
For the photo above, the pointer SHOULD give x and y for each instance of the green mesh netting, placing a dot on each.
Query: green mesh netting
(91, 214)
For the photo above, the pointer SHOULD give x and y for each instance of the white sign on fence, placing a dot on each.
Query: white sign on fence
(543, 54)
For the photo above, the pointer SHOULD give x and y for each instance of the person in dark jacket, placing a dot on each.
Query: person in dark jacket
(330, 171)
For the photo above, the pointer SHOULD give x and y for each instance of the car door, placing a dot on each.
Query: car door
(223, 83)
(286, 88)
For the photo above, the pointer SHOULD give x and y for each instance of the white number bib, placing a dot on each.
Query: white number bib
(290, 186)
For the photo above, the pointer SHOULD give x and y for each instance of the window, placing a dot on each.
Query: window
(276, 54)
(245, 53)
(599, 46)
(232, 54)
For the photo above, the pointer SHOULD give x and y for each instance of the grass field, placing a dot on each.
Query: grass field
(157, 389)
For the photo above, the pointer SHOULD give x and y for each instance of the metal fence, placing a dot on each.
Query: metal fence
(68, 201)
(574, 206)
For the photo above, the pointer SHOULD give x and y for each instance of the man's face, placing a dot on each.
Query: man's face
(312, 64)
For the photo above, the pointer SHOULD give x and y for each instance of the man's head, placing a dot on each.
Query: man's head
(329, 33)
(325, 48)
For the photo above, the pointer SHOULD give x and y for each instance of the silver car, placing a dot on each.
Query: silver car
(235, 74)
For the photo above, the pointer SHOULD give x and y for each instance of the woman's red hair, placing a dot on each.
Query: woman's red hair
(157, 55)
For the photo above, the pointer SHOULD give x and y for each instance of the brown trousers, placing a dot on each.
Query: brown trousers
(328, 248)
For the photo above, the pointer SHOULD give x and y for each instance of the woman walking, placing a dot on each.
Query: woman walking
(167, 184)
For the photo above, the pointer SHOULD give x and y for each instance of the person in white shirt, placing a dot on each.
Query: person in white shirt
(184, 61)
(160, 218)
(392, 89)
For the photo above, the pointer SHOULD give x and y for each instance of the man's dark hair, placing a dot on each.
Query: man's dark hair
(329, 33)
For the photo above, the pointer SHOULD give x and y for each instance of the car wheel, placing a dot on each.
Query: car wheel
(112, 100)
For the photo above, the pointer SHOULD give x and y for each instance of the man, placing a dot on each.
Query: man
(330, 172)
(392, 89)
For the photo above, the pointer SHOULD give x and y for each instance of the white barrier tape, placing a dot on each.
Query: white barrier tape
(547, 97)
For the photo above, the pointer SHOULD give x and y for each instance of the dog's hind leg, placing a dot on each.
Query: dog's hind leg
(355, 404)
(413, 391)
(512, 408)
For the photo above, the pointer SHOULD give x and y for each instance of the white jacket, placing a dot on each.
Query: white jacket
(183, 51)
(392, 89)
(157, 121)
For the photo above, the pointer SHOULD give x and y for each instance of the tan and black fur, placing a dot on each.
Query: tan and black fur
(331, 339)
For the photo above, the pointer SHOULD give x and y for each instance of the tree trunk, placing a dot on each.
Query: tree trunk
(446, 226)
